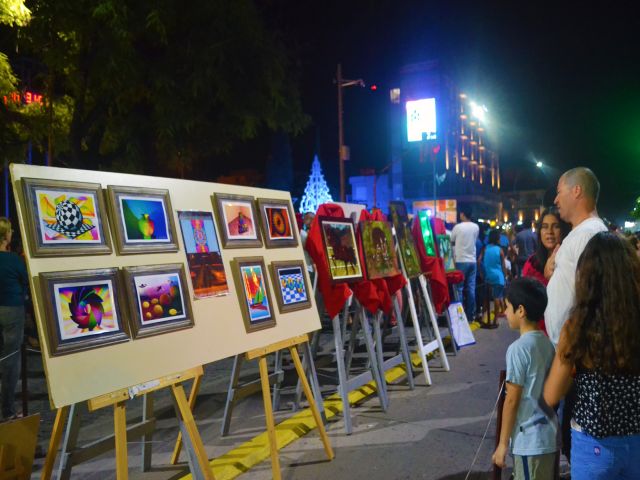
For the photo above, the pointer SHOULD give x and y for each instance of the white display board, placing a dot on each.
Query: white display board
(219, 330)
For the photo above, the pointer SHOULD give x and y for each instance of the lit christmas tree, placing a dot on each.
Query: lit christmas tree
(317, 191)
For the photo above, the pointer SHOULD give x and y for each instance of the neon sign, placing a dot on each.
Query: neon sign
(25, 98)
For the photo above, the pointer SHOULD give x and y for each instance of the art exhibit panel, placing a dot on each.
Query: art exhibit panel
(218, 329)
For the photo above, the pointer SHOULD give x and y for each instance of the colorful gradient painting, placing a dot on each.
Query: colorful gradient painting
(239, 221)
(292, 286)
(379, 251)
(85, 309)
(279, 223)
(68, 217)
(203, 254)
(144, 219)
(255, 292)
(159, 298)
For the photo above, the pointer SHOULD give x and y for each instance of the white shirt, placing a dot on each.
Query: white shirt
(463, 237)
(561, 290)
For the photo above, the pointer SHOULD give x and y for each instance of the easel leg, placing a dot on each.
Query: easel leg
(120, 428)
(198, 462)
(375, 370)
(70, 442)
(352, 343)
(195, 388)
(147, 413)
(434, 323)
(404, 346)
(375, 319)
(233, 383)
(315, 385)
(54, 442)
(312, 402)
(418, 334)
(277, 368)
(342, 375)
(268, 410)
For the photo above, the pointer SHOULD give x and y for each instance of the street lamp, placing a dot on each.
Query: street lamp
(343, 151)
(539, 164)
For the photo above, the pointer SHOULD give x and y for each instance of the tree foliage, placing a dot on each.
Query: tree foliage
(163, 86)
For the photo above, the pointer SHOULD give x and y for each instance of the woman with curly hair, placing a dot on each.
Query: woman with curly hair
(598, 350)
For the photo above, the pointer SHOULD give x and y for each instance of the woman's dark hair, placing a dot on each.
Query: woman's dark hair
(494, 237)
(541, 254)
(603, 330)
(529, 293)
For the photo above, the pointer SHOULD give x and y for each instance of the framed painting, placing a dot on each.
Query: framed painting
(398, 212)
(252, 287)
(237, 217)
(158, 299)
(204, 258)
(278, 223)
(82, 310)
(65, 218)
(290, 284)
(341, 249)
(379, 250)
(143, 220)
(408, 253)
(444, 249)
(427, 233)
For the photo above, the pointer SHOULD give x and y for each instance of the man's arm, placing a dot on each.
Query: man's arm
(560, 379)
(509, 413)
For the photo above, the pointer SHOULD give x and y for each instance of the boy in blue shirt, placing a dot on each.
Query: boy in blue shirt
(526, 428)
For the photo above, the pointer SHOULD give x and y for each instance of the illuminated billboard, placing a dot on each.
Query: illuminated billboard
(421, 118)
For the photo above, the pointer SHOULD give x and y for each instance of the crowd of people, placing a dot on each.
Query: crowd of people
(573, 375)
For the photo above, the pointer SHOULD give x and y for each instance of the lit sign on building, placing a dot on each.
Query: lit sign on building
(421, 118)
(25, 98)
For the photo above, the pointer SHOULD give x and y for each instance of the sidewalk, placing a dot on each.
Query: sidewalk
(428, 433)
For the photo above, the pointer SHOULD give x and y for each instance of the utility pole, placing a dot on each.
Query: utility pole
(343, 151)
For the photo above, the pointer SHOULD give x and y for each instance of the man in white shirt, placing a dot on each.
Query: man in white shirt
(463, 238)
(576, 200)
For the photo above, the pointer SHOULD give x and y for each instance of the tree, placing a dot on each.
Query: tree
(635, 213)
(162, 87)
(12, 13)
(317, 191)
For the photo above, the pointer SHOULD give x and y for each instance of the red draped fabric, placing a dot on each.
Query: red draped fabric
(433, 267)
(334, 295)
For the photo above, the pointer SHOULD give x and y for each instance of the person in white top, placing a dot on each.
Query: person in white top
(463, 238)
(578, 191)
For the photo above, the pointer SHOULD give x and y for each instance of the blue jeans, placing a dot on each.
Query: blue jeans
(12, 329)
(467, 289)
(604, 458)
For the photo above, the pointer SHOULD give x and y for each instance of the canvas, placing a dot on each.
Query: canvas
(427, 233)
(236, 217)
(444, 248)
(158, 299)
(143, 220)
(253, 293)
(290, 284)
(65, 218)
(82, 310)
(341, 249)
(379, 252)
(408, 253)
(278, 223)
(206, 268)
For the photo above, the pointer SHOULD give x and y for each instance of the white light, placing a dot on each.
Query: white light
(481, 220)
(429, 212)
(629, 224)
(519, 222)
(478, 111)
(539, 164)
(421, 118)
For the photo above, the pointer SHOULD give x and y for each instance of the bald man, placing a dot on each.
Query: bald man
(576, 199)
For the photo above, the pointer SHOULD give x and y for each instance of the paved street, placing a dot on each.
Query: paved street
(428, 433)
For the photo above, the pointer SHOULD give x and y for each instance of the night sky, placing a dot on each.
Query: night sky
(562, 84)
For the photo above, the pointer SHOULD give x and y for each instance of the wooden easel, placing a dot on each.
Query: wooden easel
(198, 462)
(261, 354)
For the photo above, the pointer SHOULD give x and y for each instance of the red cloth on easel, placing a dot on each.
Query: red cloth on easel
(334, 295)
(433, 268)
(455, 276)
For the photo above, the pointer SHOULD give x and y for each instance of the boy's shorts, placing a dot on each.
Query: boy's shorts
(497, 291)
(534, 467)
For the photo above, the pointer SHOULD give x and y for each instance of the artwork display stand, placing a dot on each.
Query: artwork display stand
(73, 455)
(237, 392)
(437, 343)
(261, 354)
(346, 384)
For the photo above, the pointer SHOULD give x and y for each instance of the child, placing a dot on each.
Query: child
(493, 261)
(531, 433)
(600, 342)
